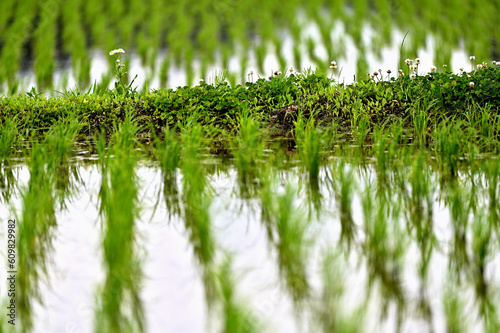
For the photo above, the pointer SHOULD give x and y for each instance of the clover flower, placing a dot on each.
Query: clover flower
(479, 66)
(471, 84)
(433, 69)
(413, 76)
(417, 61)
(333, 63)
(408, 61)
(472, 58)
(445, 65)
(290, 69)
(112, 52)
(413, 68)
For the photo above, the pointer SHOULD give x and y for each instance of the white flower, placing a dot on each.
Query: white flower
(417, 61)
(479, 66)
(333, 66)
(250, 73)
(118, 60)
(333, 63)
(408, 61)
(291, 69)
(201, 80)
(413, 76)
(433, 69)
(413, 68)
(471, 84)
(445, 65)
(116, 51)
(472, 58)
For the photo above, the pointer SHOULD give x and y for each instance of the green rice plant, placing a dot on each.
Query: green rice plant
(248, 147)
(168, 154)
(307, 137)
(196, 201)
(481, 237)
(9, 142)
(35, 232)
(384, 249)
(119, 305)
(491, 171)
(419, 216)
(329, 312)
(236, 316)
(60, 142)
(457, 201)
(454, 307)
(343, 184)
(448, 142)
(291, 243)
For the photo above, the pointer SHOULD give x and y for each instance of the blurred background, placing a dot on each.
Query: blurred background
(59, 44)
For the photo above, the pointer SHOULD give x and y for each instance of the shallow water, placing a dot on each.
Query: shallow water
(172, 291)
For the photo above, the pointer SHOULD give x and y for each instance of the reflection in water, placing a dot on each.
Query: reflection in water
(370, 245)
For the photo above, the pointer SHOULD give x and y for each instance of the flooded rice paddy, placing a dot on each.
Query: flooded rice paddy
(119, 241)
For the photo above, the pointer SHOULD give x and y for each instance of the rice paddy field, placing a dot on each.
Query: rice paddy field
(260, 198)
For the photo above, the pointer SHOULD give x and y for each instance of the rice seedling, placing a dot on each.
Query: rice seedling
(34, 243)
(9, 142)
(343, 184)
(237, 317)
(329, 312)
(60, 141)
(248, 147)
(456, 198)
(196, 201)
(119, 305)
(384, 249)
(454, 307)
(288, 233)
(308, 145)
(168, 154)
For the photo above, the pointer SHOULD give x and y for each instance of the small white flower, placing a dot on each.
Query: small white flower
(417, 61)
(290, 69)
(408, 61)
(472, 58)
(413, 68)
(116, 51)
(250, 73)
(445, 65)
(413, 76)
(479, 66)
(201, 80)
(333, 66)
(433, 69)
(333, 63)
(400, 70)
(279, 73)
(471, 84)
(118, 60)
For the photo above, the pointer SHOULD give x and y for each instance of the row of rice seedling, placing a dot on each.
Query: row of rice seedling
(47, 161)
(119, 304)
(199, 31)
(398, 187)
(9, 142)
